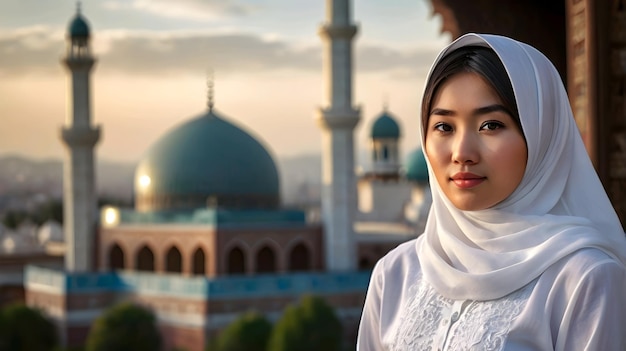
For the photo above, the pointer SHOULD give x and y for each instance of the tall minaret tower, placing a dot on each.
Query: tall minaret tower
(80, 137)
(337, 120)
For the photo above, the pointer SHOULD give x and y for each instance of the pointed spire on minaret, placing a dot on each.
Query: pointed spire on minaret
(210, 91)
(385, 102)
(78, 5)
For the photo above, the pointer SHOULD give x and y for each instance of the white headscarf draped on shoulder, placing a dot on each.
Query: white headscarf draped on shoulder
(559, 207)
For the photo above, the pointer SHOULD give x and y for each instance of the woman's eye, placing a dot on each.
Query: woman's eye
(442, 127)
(491, 125)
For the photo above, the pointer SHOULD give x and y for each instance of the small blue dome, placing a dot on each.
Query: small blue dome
(78, 27)
(416, 168)
(207, 160)
(385, 126)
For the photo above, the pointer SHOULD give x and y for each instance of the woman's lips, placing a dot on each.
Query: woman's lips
(466, 180)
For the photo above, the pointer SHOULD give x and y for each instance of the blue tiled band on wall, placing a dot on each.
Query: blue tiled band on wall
(196, 287)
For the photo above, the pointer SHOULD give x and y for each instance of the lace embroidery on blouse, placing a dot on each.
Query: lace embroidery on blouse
(485, 325)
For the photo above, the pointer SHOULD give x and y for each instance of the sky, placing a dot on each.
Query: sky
(153, 57)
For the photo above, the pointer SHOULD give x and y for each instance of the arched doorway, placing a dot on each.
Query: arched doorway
(365, 263)
(265, 260)
(236, 261)
(173, 261)
(198, 263)
(299, 258)
(116, 258)
(145, 260)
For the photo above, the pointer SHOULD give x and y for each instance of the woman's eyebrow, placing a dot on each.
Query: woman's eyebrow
(442, 112)
(477, 112)
(489, 109)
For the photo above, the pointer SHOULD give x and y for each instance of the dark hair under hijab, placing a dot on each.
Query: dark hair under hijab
(476, 59)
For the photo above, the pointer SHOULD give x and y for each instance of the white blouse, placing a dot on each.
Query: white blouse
(579, 303)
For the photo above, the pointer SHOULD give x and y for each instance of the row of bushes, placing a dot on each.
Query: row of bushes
(309, 325)
(122, 327)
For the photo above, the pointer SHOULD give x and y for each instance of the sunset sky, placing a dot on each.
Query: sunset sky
(153, 57)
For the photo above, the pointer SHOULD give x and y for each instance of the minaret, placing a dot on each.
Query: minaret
(337, 120)
(80, 137)
(385, 136)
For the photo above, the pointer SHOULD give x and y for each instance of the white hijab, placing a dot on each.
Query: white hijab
(558, 208)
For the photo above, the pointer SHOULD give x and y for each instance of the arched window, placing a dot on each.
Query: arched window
(385, 153)
(116, 258)
(265, 261)
(365, 263)
(198, 262)
(236, 261)
(299, 258)
(173, 261)
(145, 260)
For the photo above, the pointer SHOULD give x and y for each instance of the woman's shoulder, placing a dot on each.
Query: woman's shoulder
(583, 296)
(586, 267)
(584, 261)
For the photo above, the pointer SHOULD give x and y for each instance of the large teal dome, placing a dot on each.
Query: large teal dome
(416, 168)
(385, 127)
(207, 161)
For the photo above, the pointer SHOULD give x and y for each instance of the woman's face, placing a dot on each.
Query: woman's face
(476, 151)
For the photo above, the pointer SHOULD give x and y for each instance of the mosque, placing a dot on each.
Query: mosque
(208, 237)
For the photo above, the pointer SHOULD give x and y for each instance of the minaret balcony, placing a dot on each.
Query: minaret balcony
(338, 119)
(81, 136)
(79, 62)
(338, 32)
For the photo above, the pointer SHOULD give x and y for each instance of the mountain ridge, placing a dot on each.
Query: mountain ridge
(300, 177)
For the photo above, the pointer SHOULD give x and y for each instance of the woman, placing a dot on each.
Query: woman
(522, 249)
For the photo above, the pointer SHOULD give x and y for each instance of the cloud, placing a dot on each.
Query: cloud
(30, 50)
(379, 58)
(199, 10)
(135, 53)
(234, 52)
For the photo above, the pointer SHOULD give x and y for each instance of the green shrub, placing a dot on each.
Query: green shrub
(26, 329)
(249, 332)
(125, 327)
(310, 325)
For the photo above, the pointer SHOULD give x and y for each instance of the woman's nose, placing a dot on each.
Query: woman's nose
(465, 148)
